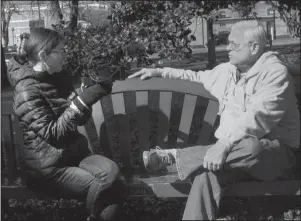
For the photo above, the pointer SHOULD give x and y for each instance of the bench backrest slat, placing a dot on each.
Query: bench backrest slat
(175, 118)
(98, 116)
(186, 119)
(122, 125)
(208, 122)
(142, 117)
(153, 105)
(92, 136)
(163, 118)
(107, 127)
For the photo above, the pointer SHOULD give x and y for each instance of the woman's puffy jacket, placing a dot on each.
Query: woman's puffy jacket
(42, 104)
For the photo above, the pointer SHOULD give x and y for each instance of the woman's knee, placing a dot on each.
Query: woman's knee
(101, 167)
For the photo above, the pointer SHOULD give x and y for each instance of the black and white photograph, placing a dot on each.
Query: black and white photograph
(150, 110)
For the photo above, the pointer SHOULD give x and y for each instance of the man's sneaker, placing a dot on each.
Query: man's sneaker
(157, 159)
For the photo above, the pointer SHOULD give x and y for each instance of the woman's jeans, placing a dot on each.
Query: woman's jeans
(251, 158)
(94, 178)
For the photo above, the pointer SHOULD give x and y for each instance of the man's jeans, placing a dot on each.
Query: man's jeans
(94, 178)
(251, 158)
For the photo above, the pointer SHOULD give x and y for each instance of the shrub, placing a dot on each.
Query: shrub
(136, 30)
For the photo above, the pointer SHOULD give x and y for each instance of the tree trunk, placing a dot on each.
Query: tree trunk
(73, 15)
(5, 27)
(54, 14)
(211, 45)
(4, 80)
(5, 34)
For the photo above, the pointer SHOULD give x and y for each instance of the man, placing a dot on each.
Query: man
(259, 124)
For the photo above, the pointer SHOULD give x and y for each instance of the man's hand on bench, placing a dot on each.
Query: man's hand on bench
(146, 73)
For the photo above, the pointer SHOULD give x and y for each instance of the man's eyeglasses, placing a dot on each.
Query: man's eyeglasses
(236, 47)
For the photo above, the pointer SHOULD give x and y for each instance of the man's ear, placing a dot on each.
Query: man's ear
(42, 55)
(255, 47)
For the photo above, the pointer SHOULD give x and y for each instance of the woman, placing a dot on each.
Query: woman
(56, 156)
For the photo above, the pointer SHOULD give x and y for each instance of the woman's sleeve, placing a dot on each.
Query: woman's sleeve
(36, 113)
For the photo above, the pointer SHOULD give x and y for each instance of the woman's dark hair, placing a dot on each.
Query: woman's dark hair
(40, 39)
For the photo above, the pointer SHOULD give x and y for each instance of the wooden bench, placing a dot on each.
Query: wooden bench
(137, 116)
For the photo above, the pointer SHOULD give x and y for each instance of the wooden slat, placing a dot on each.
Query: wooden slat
(6, 126)
(113, 135)
(97, 115)
(176, 112)
(82, 130)
(91, 132)
(209, 120)
(186, 118)
(118, 104)
(124, 130)
(164, 118)
(108, 128)
(92, 127)
(212, 138)
(107, 107)
(153, 105)
(130, 102)
(130, 109)
(143, 120)
(101, 129)
(197, 120)
(112, 129)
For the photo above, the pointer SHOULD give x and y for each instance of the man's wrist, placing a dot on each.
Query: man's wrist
(228, 145)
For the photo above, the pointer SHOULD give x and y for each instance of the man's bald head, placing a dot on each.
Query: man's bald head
(247, 42)
(250, 30)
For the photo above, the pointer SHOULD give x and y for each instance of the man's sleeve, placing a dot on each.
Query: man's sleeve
(208, 77)
(267, 107)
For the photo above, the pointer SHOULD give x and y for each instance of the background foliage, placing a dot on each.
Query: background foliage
(137, 29)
